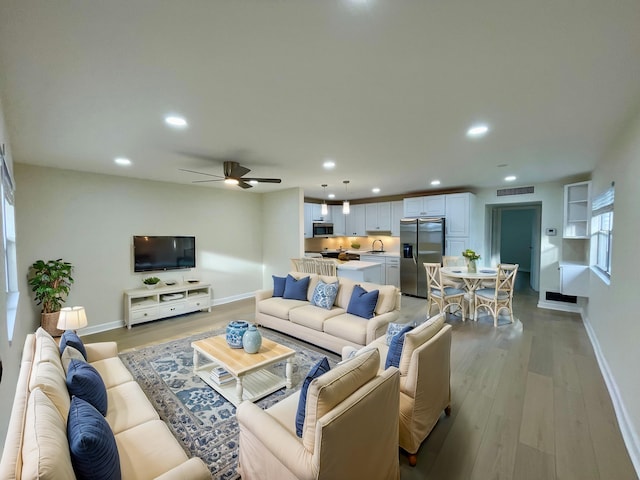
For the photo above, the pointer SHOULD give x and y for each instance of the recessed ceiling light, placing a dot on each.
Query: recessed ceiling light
(435, 182)
(329, 164)
(510, 178)
(332, 195)
(124, 162)
(375, 190)
(477, 131)
(175, 121)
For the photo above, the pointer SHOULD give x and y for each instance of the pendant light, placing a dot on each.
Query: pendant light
(324, 209)
(345, 204)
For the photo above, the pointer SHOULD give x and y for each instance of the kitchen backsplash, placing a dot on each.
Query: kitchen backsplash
(391, 244)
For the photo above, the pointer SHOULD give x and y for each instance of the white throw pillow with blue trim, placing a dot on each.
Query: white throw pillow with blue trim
(324, 294)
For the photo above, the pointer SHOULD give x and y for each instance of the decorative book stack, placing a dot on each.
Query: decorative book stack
(220, 376)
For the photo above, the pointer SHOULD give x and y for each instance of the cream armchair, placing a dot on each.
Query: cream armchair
(425, 373)
(350, 428)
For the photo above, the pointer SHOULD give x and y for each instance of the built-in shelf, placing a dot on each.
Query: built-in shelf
(577, 210)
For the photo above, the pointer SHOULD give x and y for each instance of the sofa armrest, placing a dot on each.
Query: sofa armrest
(377, 325)
(193, 469)
(264, 294)
(276, 439)
(101, 350)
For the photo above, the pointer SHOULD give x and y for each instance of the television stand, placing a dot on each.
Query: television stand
(144, 305)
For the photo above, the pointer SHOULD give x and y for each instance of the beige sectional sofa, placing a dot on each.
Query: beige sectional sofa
(36, 445)
(332, 328)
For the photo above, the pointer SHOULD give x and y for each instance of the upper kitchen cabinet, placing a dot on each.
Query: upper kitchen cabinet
(577, 209)
(429, 206)
(397, 211)
(355, 222)
(378, 217)
(312, 213)
(458, 214)
(338, 219)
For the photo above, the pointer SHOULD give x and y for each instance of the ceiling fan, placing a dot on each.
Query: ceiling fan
(234, 174)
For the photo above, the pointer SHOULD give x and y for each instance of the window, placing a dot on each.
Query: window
(9, 243)
(602, 231)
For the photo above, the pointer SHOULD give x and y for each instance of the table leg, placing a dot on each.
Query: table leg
(239, 389)
(289, 371)
(195, 361)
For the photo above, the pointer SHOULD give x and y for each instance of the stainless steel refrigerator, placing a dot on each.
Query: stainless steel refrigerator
(421, 240)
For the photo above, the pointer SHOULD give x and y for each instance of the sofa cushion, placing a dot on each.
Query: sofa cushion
(69, 354)
(312, 316)
(128, 407)
(324, 294)
(93, 449)
(363, 303)
(419, 335)
(50, 380)
(278, 285)
(84, 381)
(279, 307)
(69, 337)
(328, 390)
(46, 349)
(344, 292)
(347, 326)
(318, 369)
(296, 289)
(45, 439)
(395, 347)
(112, 371)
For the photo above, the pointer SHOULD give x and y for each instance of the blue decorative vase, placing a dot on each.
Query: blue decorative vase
(252, 340)
(235, 331)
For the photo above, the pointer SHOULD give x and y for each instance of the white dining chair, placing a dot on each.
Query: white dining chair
(501, 297)
(441, 295)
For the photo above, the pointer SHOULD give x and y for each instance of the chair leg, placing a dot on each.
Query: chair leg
(447, 410)
(413, 459)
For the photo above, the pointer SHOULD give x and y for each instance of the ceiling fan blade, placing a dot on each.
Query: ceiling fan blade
(200, 173)
(205, 181)
(263, 180)
(234, 170)
(243, 184)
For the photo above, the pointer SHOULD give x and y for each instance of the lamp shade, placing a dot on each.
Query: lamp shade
(72, 318)
(345, 207)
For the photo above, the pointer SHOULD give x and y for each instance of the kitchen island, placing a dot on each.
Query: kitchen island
(361, 271)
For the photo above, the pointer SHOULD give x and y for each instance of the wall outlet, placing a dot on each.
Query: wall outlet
(552, 232)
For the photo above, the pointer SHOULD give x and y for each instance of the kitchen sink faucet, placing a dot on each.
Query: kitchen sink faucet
(373, 245)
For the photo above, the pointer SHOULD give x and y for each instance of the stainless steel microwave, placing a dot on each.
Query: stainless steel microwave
(322, 229)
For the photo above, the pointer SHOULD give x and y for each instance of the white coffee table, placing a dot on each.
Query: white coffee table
(252, 379)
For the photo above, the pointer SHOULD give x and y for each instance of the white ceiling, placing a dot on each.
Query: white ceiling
(386, 88)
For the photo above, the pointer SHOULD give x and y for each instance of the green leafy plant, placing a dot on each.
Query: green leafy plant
(151, 281)
(51, 282)
(355, 245)
(470, 254)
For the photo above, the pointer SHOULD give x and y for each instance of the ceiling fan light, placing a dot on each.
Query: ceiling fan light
(345, 207)
(231, 181)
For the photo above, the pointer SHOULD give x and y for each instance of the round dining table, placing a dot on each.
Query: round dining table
(472, 281)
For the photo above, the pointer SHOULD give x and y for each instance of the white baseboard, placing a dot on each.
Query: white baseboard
(561, 306)
(103, 327)
(629, 434)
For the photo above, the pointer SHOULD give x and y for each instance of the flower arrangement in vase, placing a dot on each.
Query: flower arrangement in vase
(471, 257)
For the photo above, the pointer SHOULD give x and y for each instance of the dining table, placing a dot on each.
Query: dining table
(472, 281)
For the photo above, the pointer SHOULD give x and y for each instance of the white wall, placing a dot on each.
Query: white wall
(90, 219)
(612, 313)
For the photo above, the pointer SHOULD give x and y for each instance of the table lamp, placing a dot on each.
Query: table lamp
(72, 318)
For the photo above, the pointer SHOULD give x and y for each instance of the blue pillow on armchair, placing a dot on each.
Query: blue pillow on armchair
(395, 348)
(318, 369)
(296, 289)
(363, 303)
(278, 286)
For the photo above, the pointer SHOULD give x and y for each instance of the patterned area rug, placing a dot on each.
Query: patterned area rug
(201, 419)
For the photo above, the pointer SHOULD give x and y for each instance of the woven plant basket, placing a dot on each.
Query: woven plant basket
(49, 322)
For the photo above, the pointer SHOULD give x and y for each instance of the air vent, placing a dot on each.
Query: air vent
(514, 191)
(558, 297)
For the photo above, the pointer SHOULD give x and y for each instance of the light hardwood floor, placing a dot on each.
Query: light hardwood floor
(528, 399)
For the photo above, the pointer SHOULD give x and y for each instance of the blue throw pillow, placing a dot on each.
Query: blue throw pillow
(84, 381)
(395, 348)
(363, 303)
(278, 285)
(296, 289)
(71, 338)
(392, 330)
(325, 294)
(318, 369)
(92, 446)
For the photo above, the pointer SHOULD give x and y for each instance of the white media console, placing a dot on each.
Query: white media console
(144, 305)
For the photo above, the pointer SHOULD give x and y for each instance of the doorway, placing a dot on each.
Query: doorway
(515, 238)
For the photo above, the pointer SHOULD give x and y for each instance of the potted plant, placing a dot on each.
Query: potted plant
(151, 282)
(471, 257)
(51, 282)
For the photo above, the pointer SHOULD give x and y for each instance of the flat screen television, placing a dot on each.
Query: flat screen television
(163, 253)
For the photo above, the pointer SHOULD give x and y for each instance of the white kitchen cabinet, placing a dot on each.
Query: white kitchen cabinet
(397, 212)
(355, 221)
(456, 245)
(312, 213)
(392, 271)
(429, 206)
(338, 220)
(458, 214)
(574, 280)
(378, 217)
(577, 210)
